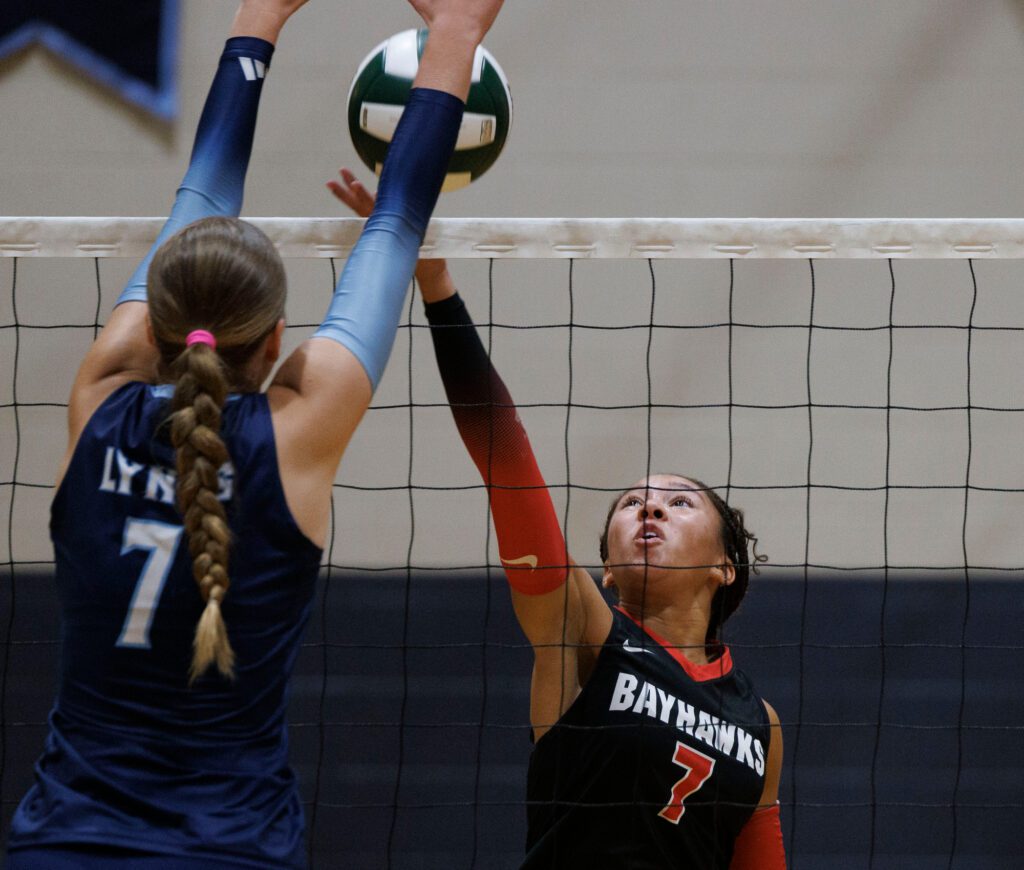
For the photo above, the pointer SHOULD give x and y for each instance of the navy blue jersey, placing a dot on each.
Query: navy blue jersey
(657, 764)
(135, 757)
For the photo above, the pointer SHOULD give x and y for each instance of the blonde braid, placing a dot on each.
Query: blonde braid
(201, 389)
(223, 276)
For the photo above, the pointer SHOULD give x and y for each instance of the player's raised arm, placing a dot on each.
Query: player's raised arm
(557, 604)
(557, 617)
(454, 25)
(213, 186)
(322, 390)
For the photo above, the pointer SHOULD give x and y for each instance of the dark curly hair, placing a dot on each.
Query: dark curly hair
(737, 541)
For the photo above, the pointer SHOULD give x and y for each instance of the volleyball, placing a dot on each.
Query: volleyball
(381, 87)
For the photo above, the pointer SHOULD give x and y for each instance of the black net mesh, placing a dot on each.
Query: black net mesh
(867, 415)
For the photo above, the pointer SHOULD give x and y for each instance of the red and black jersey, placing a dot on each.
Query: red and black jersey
(658, 763)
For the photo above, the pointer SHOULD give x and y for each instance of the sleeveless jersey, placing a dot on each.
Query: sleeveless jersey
(135, 757)
(657, 764)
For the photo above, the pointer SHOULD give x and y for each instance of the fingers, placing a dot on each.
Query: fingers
(351, 191)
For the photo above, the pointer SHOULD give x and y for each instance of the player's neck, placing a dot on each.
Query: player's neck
(680, 623)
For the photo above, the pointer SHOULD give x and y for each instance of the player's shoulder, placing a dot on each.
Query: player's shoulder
(744, 682)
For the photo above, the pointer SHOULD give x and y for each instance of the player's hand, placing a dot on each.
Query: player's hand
(431, 275)
(474, 16)
(351, 192)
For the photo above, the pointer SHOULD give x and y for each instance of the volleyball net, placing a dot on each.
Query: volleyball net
(853, 385)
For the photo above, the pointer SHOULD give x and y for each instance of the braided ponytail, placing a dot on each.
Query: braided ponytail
(222, 275)
(200, 391)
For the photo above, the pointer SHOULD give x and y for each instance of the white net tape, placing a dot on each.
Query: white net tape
(542, 238)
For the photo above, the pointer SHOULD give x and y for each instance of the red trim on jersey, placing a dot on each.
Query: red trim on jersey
(759, 845)
(698, 673)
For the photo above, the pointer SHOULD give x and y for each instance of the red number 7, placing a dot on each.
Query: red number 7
(698, 769)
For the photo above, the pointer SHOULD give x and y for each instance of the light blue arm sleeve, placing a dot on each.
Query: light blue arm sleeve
(215, 179)
(367, 304)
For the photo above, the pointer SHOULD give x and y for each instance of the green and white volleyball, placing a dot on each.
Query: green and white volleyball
(381, 88)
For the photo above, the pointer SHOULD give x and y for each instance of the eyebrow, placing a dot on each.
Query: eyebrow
(692, 490)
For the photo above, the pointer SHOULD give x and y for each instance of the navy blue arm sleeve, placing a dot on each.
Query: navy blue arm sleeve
(363, 315)
(215, 179)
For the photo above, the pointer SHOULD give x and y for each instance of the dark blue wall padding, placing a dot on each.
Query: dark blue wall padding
(416, 710)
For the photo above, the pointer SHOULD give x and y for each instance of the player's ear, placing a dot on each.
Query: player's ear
(607, 581)
(728, 572)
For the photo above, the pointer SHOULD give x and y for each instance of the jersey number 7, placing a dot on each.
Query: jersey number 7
(161, 541)
(698, 768)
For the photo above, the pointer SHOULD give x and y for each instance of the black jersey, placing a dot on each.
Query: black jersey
(657, 764)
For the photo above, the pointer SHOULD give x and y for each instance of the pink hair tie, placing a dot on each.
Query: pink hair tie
(200, 336)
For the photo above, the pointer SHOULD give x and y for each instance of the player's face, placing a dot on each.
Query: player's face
(666, 523)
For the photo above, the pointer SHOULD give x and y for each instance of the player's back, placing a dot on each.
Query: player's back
(135, 754)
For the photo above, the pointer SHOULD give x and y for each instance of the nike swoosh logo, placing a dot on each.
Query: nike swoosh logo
(522, 560)
(628, 647)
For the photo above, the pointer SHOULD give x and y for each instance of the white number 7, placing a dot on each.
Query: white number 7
(161, 539)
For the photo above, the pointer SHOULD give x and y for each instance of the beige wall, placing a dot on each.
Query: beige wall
(650, 108)
(655, 107)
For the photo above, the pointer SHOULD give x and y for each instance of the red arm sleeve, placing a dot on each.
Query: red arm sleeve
(530, 541)
(759, 845)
